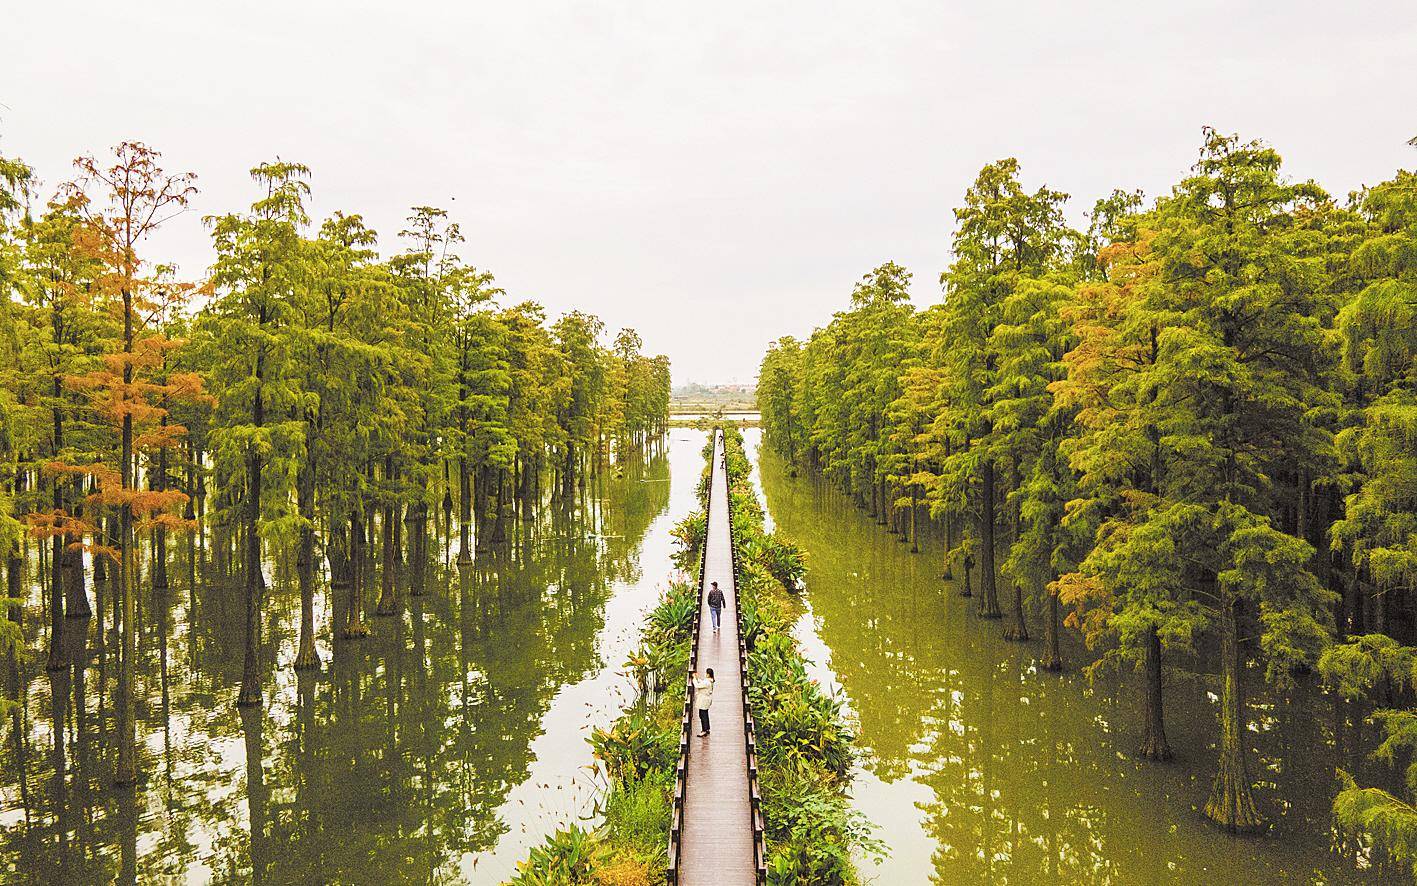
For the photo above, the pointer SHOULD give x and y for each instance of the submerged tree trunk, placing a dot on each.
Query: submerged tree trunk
(914, 524)
(388, 596)
(76, 598)
(1232, 803)
(159, 484)
(354, 626)
(1052, 655)
(250, 694)
(465, 511)
(125, 612)
(417, 546)
(56, 577)
(126, 597)
(499, 525)
(1018, 627)
(1154, 745)
(307, 658)
(989, 592)
(56, 660)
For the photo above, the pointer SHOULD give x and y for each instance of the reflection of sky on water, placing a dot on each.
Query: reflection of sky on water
(977, 768)
(439, 748)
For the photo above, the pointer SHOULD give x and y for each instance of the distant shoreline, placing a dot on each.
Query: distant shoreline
(698, 406)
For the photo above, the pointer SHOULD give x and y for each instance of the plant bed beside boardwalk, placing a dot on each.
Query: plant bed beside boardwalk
(805, 748)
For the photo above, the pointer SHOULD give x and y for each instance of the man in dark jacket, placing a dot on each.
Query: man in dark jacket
(715, 602)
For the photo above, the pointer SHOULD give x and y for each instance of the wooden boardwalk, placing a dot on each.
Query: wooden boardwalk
(719, 843)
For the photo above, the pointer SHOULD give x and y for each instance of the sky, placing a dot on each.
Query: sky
(714, 175)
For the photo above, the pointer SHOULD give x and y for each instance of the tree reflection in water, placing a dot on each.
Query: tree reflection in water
(1030, 777)
(391, 765)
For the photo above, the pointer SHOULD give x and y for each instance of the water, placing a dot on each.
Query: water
(978, 768)
(441, 749)
(438, 750)
(735, 415)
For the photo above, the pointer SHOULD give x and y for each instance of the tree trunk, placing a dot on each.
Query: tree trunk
(417, 547)
(1052, 655)
(499, 526)
(914, 525)
(1232, 803)
(250, 694)
(1154, 745)
(127, 770)
(989, 592)
(76, 598)
(1018, 627)
(56, 595)
(354, 626)
(465, 511)
(307, 658)
(388, 596)
(56, 577)
(159, 483)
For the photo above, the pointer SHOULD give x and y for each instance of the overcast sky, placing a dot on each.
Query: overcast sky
(713, 174)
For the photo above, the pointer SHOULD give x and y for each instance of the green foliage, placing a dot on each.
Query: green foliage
(634, 747)
(1356, 667)
(1193, 423)
(1389, 822)
(815, 835)
(567, 858)
(638, 814)
(689, 534)
(637, 754)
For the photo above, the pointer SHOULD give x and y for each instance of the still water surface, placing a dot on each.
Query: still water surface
(443, 747)
(978, 768)
(436, 751)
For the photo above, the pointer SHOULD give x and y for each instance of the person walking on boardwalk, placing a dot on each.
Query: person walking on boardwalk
(715, 602)
(703, 697)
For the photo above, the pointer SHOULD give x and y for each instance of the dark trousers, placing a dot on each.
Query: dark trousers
(703, 718)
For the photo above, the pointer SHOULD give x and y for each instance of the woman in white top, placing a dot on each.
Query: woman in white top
(703, 695)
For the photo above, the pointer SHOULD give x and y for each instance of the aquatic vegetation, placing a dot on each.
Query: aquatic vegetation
(637, 755)
(567, 858)
(805, 747)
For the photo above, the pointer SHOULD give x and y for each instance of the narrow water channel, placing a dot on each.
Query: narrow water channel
(437, 750)
(978, 768)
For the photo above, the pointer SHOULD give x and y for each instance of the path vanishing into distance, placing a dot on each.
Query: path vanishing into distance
(719, 841)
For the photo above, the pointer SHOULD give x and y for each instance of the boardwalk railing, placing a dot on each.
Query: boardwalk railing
(750, 737)
(681, 768)
(709, 864)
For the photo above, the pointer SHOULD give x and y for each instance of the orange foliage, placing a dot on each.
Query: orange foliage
(48, 524)
(1091, 603)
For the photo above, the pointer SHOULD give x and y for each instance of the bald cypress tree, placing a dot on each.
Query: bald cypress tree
(1006, 238)
(259, 270)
